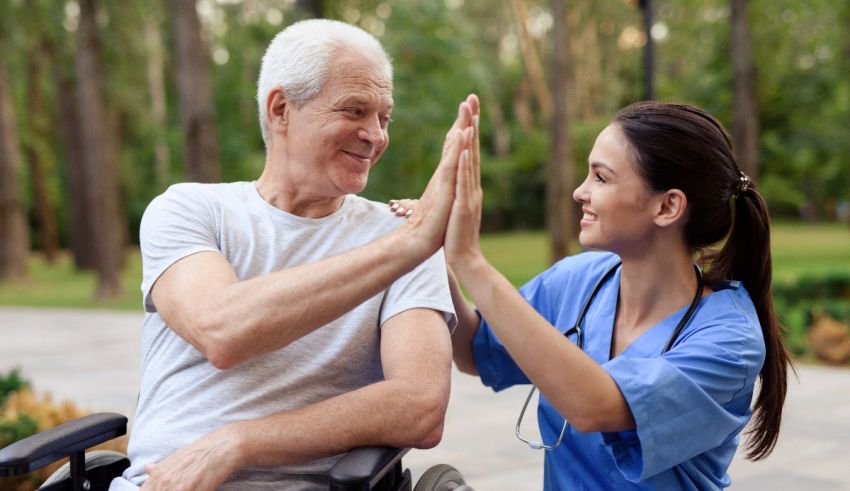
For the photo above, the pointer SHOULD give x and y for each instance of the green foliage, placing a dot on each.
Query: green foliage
(800, 301)
(442, 51)
(22, 426)
(12, 430)
(11, 382)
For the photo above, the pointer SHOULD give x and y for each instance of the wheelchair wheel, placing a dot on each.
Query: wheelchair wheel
(441, 477)
(101, 467)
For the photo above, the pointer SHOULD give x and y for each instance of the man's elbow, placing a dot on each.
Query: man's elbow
(209, 338)
(431, 439)
(429, 422)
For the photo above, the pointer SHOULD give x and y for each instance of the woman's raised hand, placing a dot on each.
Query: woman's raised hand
(461, 244)
(428, 224)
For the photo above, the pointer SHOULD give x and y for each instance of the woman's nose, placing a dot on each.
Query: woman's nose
(580, 193)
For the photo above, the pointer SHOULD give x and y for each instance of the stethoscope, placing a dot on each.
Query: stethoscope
(577, 329)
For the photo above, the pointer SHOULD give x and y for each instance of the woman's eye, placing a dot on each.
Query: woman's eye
(385, 121)
(354, 111)
(599, 177)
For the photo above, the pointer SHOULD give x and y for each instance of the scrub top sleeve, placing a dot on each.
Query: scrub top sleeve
(686, 402)
(495, 366)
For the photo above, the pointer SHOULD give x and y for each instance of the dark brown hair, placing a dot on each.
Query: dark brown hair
(682, 147)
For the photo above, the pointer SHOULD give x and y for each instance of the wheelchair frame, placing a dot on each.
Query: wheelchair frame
(362, 469)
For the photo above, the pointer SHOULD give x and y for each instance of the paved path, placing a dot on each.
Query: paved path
(92, 358)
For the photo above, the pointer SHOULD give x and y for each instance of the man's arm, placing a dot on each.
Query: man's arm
(230, 321)
(406, 409)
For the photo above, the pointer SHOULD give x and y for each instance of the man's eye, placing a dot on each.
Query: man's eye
(354, 111)
(385, 121)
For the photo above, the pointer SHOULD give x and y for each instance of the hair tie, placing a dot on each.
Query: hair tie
(744, 184)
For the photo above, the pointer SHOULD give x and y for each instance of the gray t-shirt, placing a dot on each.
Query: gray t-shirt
(184, 397)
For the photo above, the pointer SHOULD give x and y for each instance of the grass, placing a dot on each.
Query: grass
(61, 285)
(809, 249)
(798, 248)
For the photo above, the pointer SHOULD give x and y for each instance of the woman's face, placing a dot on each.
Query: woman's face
(615, 200)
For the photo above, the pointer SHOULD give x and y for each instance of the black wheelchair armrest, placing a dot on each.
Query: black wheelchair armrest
(363, 467)
(36, 451)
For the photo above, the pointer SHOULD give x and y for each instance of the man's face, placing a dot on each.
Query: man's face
(339, 135)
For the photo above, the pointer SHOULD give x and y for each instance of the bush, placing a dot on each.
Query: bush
(10, 383)
(24, 413)
(800, 303)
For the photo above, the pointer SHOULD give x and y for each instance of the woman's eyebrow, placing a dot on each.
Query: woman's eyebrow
(596, 165)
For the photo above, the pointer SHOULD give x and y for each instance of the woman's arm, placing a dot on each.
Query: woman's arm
(467, 325)
(579, 388)
(468, 318)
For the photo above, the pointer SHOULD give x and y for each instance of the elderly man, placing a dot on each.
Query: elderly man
(288, 320)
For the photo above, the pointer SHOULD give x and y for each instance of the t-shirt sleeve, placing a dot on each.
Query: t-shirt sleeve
(176, 224)
(689, 400)
(426, 287)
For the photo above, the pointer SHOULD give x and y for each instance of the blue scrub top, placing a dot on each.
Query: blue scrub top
(689, 404)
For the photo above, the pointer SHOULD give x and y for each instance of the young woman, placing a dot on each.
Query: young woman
(646, 355)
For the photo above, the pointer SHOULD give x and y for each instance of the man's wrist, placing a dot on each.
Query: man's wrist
(407, 244)
(237, 445)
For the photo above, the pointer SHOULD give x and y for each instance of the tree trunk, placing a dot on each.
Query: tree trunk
(99, 160)
(560, 216)
(34, 150)
(522, 105)
(745, 127)
(156, 86)
(532, 60)
(14, 241)
(79, 226)
(192, 69)
(648, 52)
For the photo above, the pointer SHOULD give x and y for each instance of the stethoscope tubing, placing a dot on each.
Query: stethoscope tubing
(577, 328)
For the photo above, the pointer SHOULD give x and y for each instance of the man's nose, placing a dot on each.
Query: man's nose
(372, 131)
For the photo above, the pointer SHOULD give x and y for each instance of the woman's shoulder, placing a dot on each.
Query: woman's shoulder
(731, 301)
(729, 314)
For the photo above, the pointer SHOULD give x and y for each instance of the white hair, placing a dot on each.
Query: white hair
(299, 60)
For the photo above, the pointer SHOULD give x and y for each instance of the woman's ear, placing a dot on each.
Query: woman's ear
(672, 206)
(277, 110)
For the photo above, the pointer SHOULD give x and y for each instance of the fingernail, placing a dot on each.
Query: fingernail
(475, 121)
(408, 213)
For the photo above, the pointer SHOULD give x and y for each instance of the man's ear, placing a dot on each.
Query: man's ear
(671, 207)
(277, 110)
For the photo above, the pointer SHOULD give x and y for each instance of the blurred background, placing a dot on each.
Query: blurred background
(103, 105)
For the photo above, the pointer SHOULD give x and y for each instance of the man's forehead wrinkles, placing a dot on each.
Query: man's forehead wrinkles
(358, 89)
(366, 82)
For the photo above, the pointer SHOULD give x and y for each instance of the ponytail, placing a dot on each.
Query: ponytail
(678, 146)
(746, 257)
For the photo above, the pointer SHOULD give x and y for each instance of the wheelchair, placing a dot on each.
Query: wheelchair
(362, 469)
